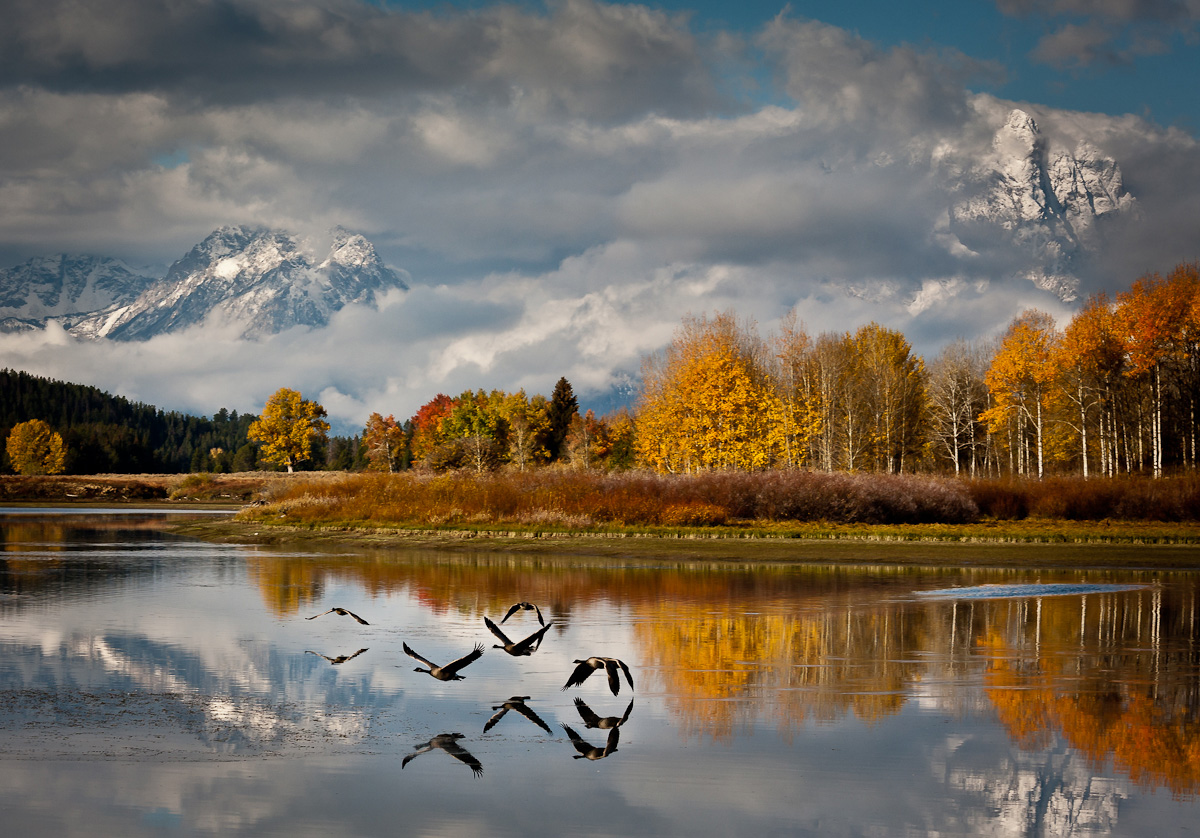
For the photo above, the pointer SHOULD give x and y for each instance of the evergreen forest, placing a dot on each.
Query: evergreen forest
(106, 434)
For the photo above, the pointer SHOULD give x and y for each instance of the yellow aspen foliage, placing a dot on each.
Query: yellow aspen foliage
(528, 428)
(288, 427)
(1019, 379)
(35, 448)
(707, 403)
(796, 381)
(892, 388)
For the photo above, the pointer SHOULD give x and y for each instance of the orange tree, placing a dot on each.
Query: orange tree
(1157, 319)
(385, 441)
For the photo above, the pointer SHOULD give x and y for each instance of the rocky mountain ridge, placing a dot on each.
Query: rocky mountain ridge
(259, 281)
(1047, 207)
(49, 287)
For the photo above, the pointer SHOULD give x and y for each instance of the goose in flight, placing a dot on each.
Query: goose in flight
(589, 751)
(338, 659)
(592, 721)
(449, 672)
(587, 667)
(524, 647)
(517, 702)
(524, 606)
(447, 742)
(340, 612)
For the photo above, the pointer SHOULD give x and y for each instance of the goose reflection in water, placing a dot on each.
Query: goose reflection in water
(449, 672)
(517, 703)
(335, 661)
(342, 612)
(592, 721)
(523, 647)
(592, 752)
(524, 606)
(447, 742)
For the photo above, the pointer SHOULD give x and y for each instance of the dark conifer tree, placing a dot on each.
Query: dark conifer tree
(563, 408)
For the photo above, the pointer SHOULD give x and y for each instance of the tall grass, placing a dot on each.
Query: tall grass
(1076, 499)
(581, 500)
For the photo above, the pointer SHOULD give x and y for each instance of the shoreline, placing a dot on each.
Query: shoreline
(748, 549)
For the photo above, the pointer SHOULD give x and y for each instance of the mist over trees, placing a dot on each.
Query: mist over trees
(1113, 391)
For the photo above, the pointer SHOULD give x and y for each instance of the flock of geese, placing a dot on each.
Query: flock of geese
(449, 742)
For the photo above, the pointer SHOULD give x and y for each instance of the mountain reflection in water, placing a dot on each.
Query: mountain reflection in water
(770, 698)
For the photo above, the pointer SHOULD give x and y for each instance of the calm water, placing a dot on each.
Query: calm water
(154, 686)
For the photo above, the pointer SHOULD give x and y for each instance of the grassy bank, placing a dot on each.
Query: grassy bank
(777, 506)
(744, 514)
(239, 488)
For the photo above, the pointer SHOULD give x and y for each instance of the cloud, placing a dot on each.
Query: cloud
(562, 186)
(582, 58)
(1088, 33)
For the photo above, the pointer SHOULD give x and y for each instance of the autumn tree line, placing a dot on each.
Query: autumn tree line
(1112, 392)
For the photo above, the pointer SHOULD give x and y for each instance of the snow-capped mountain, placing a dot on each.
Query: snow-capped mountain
(262, 281)
(1047, 206)
(61, 286)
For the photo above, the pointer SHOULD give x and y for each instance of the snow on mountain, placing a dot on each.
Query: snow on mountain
(63, 285)
(1047, 208)
(264, 281)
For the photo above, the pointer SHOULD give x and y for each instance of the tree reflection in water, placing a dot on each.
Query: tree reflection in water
(1113, 673)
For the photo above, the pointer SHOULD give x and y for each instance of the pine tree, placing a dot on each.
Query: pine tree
(563, 408)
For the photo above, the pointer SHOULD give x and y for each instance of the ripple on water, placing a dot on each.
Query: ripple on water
(1032, 589)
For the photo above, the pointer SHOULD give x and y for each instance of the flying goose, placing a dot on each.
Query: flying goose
(524, 606)
(449, 672)
(517, 702)
(525, 647)
(591, 720)
(589, 751)
(587, 667)
(341, 612)
(338, 659)
(447, 742)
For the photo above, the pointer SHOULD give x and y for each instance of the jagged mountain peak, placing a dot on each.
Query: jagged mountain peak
(1018, 136)
(259, 280)
(1038, 205)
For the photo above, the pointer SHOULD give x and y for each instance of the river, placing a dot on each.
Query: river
(154, 685)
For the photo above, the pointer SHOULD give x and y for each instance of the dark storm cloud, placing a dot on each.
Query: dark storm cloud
(582, 57)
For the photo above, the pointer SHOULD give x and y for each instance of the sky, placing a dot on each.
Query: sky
(561, 183)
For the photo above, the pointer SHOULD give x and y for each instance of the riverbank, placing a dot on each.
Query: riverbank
(237, 488)
(1043, 541)
(1047, 544)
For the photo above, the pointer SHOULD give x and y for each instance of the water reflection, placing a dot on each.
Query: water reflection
(448, 743)
(592, 721)
(517, 704)
(1109, 666)
(593, 752)
(340, 659)
(771, 699)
